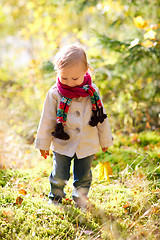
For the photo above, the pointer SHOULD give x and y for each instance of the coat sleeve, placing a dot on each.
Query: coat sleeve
(47, 122)
(105, 135)
(104, 131)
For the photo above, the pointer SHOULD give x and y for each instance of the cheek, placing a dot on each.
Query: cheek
(62, 81)
(81, 80)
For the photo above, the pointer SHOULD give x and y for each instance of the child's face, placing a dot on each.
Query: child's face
(72, 76)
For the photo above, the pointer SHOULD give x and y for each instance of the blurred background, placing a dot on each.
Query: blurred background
(121, 39)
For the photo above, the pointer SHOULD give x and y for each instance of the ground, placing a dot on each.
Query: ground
(127, 207)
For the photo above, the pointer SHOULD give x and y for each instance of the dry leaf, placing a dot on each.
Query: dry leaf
(22, 191)
(7, 213)
(108, 168)
(21, 185)
(140, 22)
(126, 205)
(37, 179)
(104, 168)
(100, 171)
(19, 200)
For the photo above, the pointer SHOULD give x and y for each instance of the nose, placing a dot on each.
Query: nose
(70, 83)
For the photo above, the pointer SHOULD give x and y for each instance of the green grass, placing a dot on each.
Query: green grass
(127, 208)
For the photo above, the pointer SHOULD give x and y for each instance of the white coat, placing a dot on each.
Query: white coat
(85, 140)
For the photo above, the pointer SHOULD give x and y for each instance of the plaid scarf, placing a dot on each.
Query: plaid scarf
(68, 93)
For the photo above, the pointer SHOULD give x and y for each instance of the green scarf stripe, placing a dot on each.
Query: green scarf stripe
(60, 112)
(96, 96)
(64, 117)
(93, 100)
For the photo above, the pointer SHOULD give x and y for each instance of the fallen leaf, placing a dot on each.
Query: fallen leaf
(7, 213)
(126, 205)
(45, 173)
(21, 185)
(19, 200)
(37, 179)
(22, 191)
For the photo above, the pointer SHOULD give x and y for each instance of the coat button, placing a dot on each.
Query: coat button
(77, 130)
(77, 113)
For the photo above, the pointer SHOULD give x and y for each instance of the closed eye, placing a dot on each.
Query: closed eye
(64, 78)
(75, 78)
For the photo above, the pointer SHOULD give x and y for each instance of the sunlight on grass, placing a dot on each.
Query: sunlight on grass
(127, 208)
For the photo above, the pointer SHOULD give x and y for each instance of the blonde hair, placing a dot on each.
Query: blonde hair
(70, 55)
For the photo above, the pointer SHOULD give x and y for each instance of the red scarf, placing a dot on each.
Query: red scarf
(68, 93)
(74, 92)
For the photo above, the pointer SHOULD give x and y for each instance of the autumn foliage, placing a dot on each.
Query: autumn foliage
(122, 42)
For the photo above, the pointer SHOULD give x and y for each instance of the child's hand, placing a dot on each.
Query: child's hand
(44, 153)
(105, 149)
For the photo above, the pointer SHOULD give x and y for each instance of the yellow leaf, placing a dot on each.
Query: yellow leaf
(37, 179)
(150, 34)
(104, 168)
(8, 213)
(147, 44)
(108, 168)
(100, 171)
(140, 22)
(21, 185)
(22, 191)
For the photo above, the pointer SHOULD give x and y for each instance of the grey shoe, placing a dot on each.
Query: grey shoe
(81, 202)
(55, 200)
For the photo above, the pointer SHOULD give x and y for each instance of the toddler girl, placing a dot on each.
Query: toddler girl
(73, 124)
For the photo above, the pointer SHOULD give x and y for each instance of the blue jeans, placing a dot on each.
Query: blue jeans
(61, 174)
